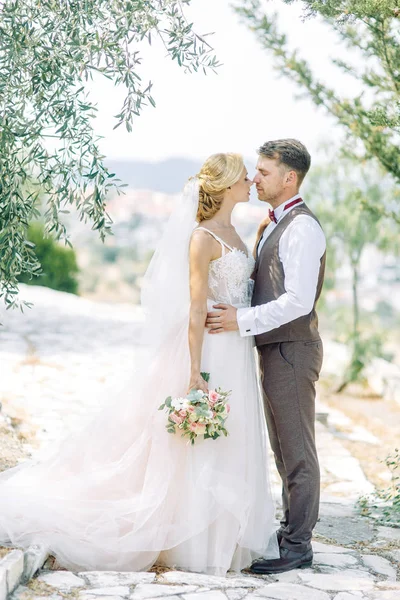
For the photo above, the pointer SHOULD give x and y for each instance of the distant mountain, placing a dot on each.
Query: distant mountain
(166, 176)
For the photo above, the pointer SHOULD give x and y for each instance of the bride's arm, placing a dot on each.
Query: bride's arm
(200, 255)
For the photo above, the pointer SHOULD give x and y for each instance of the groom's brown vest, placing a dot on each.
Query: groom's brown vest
(269, 285)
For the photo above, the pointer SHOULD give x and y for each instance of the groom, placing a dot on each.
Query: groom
(288, 278)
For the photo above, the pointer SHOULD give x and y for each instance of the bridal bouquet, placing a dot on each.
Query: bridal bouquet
(198, 413)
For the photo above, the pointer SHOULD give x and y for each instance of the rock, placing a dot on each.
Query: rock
(343, 581)
(335, 560)
(117, 590)
(379, 565)
(34, 559)
(211, 595)
(389, 533)
(62, 580)
(236, 593)
(155, 590)
(319, 547)
(13, 567)
(211, 581)
(114, 578)
(288, 591)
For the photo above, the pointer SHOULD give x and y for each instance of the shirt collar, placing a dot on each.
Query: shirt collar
(280, 209)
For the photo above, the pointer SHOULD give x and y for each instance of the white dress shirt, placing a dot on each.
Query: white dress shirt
(301, 246)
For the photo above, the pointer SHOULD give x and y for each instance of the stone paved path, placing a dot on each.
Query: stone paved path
(62, 359)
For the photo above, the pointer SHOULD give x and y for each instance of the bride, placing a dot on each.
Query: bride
(123, 494)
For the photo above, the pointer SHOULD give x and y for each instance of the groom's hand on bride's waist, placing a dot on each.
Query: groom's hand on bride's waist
(222, 319)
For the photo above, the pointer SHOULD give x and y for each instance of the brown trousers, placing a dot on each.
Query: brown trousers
(289, 372)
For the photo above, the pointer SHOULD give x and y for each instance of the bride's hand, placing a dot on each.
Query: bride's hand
(198, 383)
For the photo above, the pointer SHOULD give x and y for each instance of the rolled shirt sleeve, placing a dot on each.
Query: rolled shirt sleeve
(301, 247)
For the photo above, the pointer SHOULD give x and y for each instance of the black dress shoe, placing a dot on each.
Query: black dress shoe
(289, 560)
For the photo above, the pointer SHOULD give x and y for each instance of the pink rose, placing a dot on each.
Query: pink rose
(214, 396)
(200, 428)
(182, 413)
(175, 418)
(197, 428)
(191, 409)
(228, 408)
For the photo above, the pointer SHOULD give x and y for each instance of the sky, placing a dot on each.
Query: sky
(238, 109)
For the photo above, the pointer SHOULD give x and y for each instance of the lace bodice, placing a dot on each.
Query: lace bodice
(228, 276)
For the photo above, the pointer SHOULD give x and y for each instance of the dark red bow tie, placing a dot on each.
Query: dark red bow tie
(271, 213)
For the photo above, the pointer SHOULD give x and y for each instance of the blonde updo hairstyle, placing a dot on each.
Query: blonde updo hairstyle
(219, 172)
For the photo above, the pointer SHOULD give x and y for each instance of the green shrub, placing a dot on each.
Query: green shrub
(59, 266)
(384, 504)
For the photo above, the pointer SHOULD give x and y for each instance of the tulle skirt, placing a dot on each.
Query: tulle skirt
(123, 494)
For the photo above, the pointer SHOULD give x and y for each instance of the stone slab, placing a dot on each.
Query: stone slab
(144, 591)
(110, 578)
(335, 560)
(348, 596)
(386, 595)
(211, 595)
(62, 580)
(236, 593)
(85, 596)
(288, 577)
(395, 555)
(389, 533)
(345, 530)
(34, 558)
(330, 509)
(329, 548)
(289, 591)
(210, 581)
(116, 590)
(13, 566)
(3, 584)
(379, 565)
(342, 581)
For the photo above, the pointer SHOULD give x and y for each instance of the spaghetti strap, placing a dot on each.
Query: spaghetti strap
(223, 244)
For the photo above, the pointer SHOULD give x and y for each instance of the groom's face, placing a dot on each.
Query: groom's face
(269, 180)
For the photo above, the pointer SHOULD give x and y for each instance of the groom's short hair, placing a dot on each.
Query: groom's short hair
(289, 153)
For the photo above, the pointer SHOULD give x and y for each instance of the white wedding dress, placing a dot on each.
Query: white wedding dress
(123, 494)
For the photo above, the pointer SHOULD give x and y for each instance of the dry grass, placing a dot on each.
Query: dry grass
(11, 449)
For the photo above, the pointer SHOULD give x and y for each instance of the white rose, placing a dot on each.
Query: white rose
(177, 403)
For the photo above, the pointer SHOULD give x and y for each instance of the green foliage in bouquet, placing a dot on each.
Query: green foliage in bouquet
(59, 268)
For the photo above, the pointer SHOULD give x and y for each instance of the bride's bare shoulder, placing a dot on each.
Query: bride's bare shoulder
(202, 236)
(203, 244)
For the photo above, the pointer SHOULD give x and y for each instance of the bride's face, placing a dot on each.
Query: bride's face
(240, 191)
